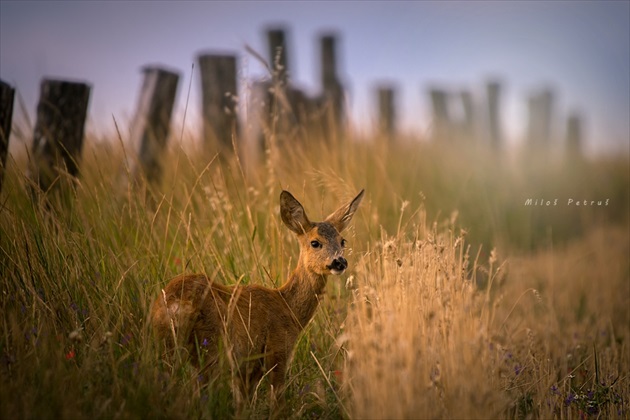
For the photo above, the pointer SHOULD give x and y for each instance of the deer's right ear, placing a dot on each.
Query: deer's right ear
(293, 214)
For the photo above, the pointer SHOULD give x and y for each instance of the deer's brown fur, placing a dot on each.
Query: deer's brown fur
(259, 325)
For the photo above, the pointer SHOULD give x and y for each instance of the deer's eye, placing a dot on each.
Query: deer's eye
(343, 243)
(316, 244)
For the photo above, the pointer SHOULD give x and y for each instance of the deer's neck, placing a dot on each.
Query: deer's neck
(302, 293)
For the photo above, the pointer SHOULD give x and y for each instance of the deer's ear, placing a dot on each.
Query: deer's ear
(342, 216)
(293, 214)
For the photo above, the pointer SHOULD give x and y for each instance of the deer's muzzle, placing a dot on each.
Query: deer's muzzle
(338, 265)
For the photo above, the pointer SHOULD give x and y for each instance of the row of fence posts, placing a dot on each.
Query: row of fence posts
(447, 128)
(279, 111)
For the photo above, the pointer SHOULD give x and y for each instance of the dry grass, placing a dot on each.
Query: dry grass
(428, 322)
(548, 337)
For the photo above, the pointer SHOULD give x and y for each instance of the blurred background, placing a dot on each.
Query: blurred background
(491, 138)
(577, 51)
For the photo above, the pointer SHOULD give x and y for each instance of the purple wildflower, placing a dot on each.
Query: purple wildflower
(518, 369)
(124, 340)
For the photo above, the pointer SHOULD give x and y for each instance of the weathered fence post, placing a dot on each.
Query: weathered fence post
(386, 112)
(494, 119)
(574, 135)
(540, 119)
(7, 94)
(219, 99)
(532, 121)
(331, 86)
(152, 121)
(268, 105)
(278, 54)
(58, 133)
(469, 128)
(441, 119)
(282, 107)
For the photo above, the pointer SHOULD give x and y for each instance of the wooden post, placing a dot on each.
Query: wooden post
(328, 62)
(441, 119)
(331, 86)
(532, 121)
(574, 135)
(278, 60)
(282, 112)
(547, 100)
(152, 121)
(219, 99)
(386, 112)
(7, 94)
(540, 119)
(494, 121)
(58, 133)
(469, 127)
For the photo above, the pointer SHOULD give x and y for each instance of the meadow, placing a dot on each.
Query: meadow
(460, 301)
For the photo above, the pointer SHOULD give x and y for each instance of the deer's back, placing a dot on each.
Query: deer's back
(199, 312)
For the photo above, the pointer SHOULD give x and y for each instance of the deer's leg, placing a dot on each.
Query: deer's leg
(250, 373)
(277, 363)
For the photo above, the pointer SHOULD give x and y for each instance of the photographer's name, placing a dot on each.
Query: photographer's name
(572, 202)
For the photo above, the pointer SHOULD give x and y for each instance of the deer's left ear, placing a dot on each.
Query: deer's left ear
(342, 216)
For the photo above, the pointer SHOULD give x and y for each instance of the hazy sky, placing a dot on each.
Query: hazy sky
(582, 49)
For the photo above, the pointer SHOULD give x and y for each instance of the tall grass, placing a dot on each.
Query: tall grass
(460, 300)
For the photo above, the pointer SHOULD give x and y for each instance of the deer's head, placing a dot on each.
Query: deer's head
(321, 243)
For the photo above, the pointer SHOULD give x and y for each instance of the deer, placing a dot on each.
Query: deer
(258, 325)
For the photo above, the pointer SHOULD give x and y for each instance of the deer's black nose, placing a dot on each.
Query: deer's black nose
(338, 264)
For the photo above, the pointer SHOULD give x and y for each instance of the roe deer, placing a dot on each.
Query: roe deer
(258, 325)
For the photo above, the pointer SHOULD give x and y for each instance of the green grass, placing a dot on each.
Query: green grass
(460, 300)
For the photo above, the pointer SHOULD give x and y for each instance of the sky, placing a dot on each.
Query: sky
(581, 49)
